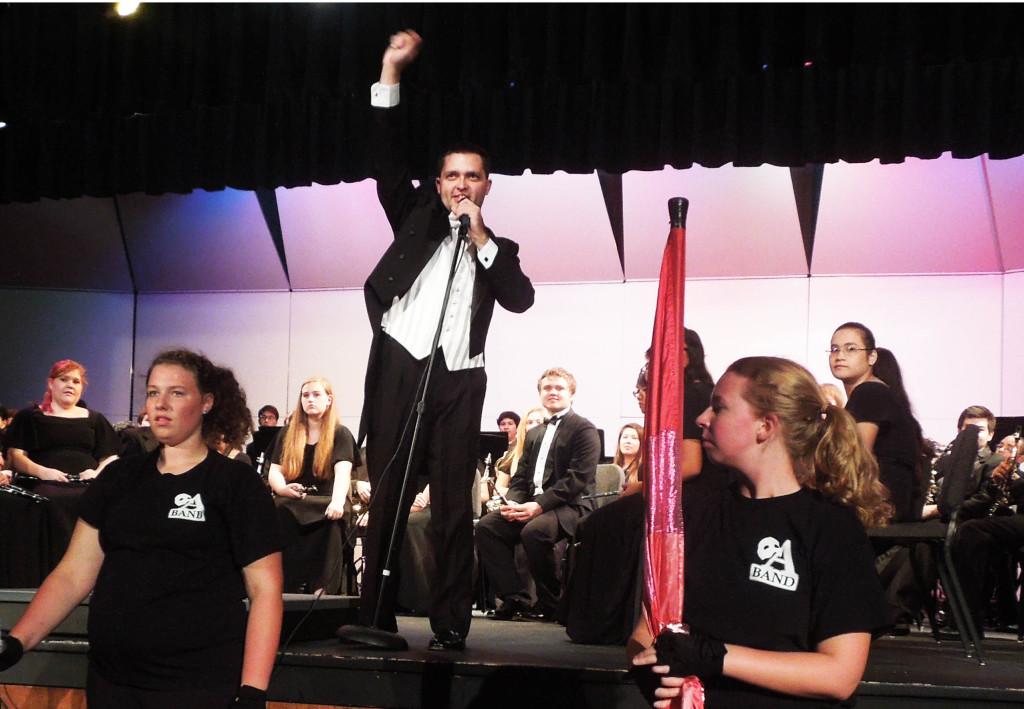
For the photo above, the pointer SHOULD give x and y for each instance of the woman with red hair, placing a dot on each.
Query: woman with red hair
(52, 447)
(58, 438)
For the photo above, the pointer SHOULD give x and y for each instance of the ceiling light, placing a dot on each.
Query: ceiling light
(126, 9)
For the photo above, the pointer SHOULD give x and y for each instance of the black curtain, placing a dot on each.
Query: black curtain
(260, 96)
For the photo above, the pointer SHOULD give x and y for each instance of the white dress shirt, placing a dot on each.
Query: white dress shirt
(545, 446)
(412, 319)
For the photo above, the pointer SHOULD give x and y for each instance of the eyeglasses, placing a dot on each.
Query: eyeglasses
(638, 392)
(847, 349)
(267, 417)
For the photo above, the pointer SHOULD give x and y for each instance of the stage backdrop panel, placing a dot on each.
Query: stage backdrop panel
(918, 216)
(944, 331)
(40, 327)
(247, 332)
(330, 337)
(572, 326)
(1013, 345)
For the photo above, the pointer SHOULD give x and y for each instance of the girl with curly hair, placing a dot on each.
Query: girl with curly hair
(170, 544)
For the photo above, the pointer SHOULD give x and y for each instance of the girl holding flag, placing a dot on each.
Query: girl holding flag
(781, 595)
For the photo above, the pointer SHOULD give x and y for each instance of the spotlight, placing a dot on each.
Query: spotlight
(126, 9)
(3, 124)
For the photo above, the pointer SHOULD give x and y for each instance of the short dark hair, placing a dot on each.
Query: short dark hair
(977, 412)
(508, 415)
(465, 147)
(268, 408)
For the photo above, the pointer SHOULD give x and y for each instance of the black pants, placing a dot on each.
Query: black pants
(101, 693)
(496, 539)
(447, 448)
(977, 542)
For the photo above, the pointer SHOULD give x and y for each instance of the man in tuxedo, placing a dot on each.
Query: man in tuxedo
(404, 299)
(545, 502)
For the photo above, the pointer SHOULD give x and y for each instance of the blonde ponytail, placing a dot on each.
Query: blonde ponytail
(821, 438)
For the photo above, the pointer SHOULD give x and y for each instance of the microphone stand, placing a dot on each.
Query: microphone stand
(372, 635)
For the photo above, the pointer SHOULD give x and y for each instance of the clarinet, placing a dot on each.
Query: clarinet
(1002, 476)
(22, 492)
(933, 478)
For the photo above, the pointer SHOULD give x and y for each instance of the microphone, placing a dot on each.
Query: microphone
(463, 225)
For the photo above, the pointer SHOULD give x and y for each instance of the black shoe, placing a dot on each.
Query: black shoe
(511, 609)
(899, 630)
(447, 640)
(539, 614)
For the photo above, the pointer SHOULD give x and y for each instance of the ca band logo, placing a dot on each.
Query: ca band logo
(777, 569)
(188, 507)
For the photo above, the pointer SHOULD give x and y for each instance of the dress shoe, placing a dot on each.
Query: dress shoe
(511, 609)
(447, 640)
(538, 614)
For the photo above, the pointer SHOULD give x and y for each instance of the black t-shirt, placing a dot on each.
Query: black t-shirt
(344, 450)
(70, 445)
(777, 574)
(896, 446)
(167, 611)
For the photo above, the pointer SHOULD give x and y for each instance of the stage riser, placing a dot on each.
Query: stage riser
(443, 685)
(329, 612)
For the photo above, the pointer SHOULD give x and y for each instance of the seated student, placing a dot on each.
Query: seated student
(992, 533)
(54, 448)
(629, 456)
(267, 418)
(546, 502)
(6, 416)
(508, 423)
(781, 594)
(313, 451)
(978, 495)
(507, 465)
(602, 600)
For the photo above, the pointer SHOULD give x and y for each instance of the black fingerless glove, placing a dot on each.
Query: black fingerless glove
(12, 651)
(250, 698)
(690, 654)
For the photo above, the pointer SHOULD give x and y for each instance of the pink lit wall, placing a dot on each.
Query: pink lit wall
(740, 221)
(922, 216)
(334, 234)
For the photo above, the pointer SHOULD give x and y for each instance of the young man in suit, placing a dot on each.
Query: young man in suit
(404, 297)
(545, 501)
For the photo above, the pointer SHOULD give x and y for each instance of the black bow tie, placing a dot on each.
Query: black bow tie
(553, 420)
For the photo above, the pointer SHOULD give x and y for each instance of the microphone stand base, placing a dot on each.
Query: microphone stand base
(371, 637)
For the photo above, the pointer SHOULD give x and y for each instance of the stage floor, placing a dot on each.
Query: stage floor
(534, 665)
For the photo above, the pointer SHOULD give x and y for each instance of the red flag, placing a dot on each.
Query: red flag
(663, 436)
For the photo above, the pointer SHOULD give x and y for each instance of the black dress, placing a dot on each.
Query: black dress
(896, 446)
(313, 544)
(35, 535)
(602, 598)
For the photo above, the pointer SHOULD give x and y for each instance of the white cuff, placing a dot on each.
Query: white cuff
(486, 254)
(384, 95)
